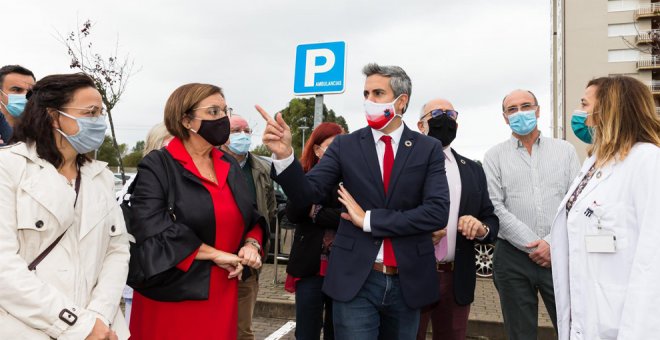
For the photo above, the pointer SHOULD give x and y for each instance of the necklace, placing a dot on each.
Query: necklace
(212, 178)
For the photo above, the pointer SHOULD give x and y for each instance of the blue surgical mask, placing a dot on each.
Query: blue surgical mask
(582, 131)
(91, 133)
(239, 143)
(15, 104)
(523, 122)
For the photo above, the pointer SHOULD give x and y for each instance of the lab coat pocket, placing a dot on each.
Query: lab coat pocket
(611, 218)
(609, 303)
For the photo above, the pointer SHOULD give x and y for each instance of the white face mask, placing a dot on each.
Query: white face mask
(380, 115)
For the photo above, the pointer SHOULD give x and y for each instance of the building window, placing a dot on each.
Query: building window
(616, 56)
(622, 5)
(621, 30)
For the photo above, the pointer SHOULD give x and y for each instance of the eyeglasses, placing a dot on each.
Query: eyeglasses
(524, 107)
(215, 110)
(246, 130)
(439, 112)
(93, 112)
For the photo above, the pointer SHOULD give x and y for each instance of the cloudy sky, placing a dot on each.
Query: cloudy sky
(471, 52)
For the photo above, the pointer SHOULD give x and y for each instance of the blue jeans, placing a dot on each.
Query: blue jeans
(311, 302)
(376, 312)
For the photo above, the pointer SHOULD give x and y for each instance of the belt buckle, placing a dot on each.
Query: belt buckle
(442, 270)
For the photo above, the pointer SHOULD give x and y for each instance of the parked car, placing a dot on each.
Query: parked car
(484, 259)
(286, 228)
(119, 183)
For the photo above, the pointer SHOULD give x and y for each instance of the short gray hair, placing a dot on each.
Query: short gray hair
(422, 113)
(399, 80)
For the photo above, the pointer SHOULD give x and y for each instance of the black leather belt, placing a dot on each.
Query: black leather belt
(444, 266)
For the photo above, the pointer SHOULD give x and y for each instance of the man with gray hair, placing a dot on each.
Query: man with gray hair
(393, 186)
(528, 176)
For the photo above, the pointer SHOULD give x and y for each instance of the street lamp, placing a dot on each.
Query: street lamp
(303, 128)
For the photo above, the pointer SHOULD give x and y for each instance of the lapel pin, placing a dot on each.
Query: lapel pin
(598, 174)
(462, 161)
(407, 143)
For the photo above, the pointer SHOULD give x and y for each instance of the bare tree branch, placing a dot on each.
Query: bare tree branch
(110, 73)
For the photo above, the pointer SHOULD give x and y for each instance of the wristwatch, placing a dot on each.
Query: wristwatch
(487, 230)
(255, 244)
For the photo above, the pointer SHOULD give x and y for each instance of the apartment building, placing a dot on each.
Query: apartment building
(596, 38)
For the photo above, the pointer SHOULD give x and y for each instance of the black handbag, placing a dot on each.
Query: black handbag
(136, 276)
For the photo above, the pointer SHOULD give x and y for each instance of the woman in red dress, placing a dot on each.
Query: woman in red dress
(192, 258)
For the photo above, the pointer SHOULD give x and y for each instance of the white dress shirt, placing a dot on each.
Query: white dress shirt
(281, 164)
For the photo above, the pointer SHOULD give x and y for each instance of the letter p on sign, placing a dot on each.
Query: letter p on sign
(320, 68)
(311, 68)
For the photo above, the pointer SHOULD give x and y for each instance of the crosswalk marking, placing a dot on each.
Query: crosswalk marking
(282, 331)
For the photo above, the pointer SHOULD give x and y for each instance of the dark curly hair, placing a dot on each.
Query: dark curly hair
(36, 125)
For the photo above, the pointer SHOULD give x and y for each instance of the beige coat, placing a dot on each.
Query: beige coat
(83, 277)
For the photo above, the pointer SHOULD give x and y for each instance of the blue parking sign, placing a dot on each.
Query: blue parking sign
(320, 68)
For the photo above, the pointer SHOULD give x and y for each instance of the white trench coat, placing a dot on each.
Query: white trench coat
(83, 277)
(611, 295)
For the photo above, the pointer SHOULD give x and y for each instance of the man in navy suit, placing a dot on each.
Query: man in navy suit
(471, 219)
(394, 189)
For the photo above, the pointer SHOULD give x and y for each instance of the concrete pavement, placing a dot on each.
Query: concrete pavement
(275, 305)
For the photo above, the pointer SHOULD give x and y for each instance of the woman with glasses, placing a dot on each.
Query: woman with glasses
(188, 255)
(316, 226)
(605, 235)
(63, 243)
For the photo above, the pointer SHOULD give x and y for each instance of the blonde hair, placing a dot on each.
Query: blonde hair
(155, 138)
(624, 114)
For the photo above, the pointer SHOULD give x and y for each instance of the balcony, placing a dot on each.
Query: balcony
(655, 87)
(647, 37)
(647, 11)
(648, 63)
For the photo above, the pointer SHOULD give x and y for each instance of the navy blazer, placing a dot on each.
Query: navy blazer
(417, 204)
(475, 202)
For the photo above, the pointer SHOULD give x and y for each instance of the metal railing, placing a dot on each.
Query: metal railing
(648, 62)
(647, 10)
(654, 86)
(648, 36)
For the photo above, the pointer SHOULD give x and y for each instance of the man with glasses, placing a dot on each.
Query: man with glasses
(15, 82)
(528, 176)
(257, 175)
(471, 219)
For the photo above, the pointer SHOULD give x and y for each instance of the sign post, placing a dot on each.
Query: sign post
(319, 70)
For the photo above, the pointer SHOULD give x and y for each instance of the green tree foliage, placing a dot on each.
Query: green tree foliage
(261, 150)
(108, 153)
(133, 159)
(300, 112)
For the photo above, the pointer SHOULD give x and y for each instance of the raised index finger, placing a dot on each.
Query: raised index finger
(264, 114)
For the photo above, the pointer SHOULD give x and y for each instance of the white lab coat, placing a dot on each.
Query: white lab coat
(83, 275)
(611, 295)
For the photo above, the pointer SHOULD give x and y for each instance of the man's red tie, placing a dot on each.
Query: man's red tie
(388, 161)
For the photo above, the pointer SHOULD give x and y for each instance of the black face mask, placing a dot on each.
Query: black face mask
(443, 129)
(216, 132)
